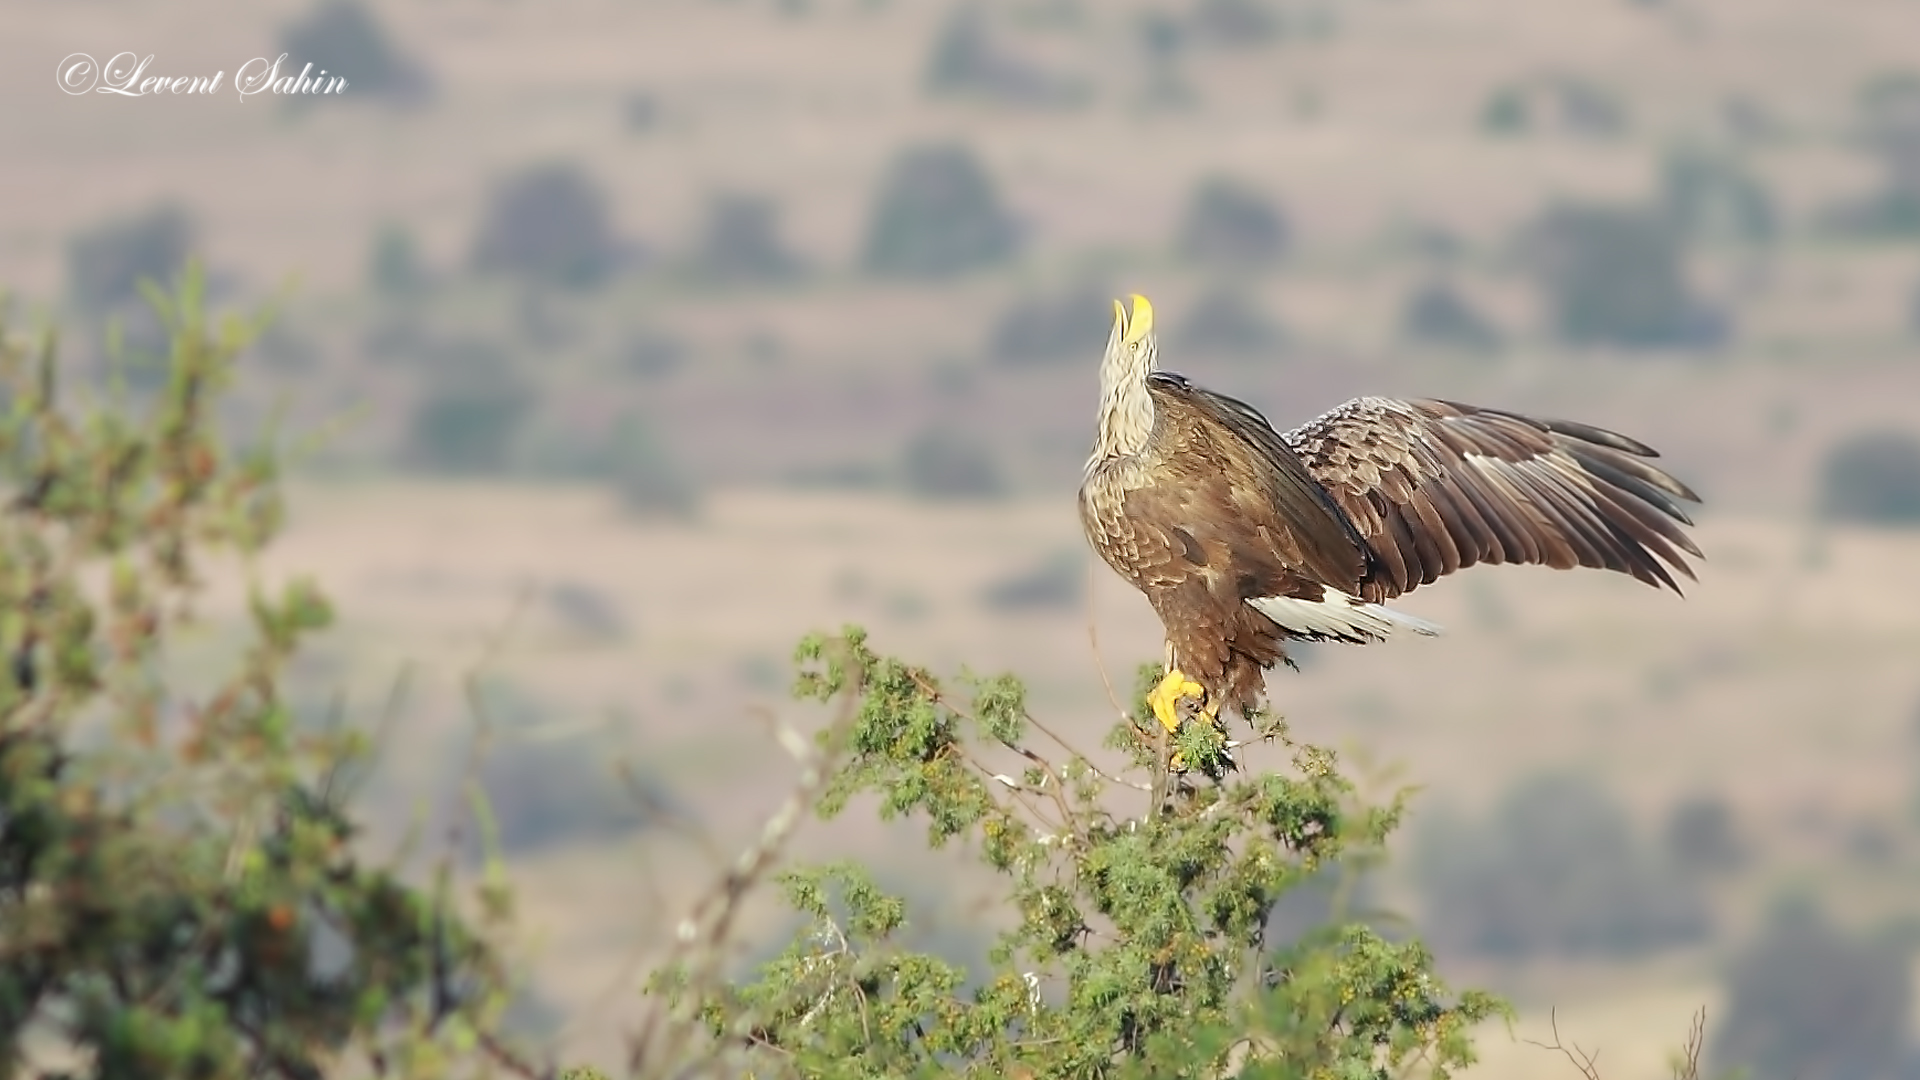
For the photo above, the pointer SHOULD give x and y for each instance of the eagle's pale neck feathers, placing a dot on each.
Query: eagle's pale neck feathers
(1126, 409)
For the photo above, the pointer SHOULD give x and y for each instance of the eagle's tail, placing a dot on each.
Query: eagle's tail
(1335, 616)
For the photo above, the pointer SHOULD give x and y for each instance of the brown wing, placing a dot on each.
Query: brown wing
(1435, 486)
(1258, 483)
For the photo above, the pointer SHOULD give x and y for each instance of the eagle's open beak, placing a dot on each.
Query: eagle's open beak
(1137, 326)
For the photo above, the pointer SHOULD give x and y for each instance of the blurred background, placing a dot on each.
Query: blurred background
(647, 336)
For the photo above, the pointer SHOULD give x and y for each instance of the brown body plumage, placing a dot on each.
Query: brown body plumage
(1243, 538)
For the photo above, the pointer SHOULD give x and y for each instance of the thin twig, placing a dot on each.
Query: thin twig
(1582, 1060)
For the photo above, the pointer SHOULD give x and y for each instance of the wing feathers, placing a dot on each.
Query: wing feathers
(1436, 486)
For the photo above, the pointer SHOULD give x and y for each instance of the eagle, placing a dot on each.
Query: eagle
(1244, 538)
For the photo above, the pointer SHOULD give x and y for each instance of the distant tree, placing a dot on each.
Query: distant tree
(470, 411)
(547, 224)
(967, 60)
(1873, 477)
(394, 267)
(740, 241)
(1556, 870)
(1048, 326)
(1056, 582)
(1615, 275)
(1437, 314)
(937, 214)
(1715, 197)
(645, 474)
(1226, 321)
(1230, 225)
(1703, 836)
(1234, 24)
(106, 263)
(1887, 109)
(1807, 1002)
(344, 38)
(942, 463)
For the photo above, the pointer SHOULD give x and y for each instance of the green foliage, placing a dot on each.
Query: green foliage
(1615, 275)
(1703, 836)
(179, 891)
(1714, 196)
(1556, 869)
(1140, 947)
(1872, 477)
(1808, 1001)
(1230, 225)
(548, 224)
(938, 214)
(343, 38)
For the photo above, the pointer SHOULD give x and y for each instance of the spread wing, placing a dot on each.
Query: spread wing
(1435, 486)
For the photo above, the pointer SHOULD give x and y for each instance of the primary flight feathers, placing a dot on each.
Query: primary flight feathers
(1242, 537)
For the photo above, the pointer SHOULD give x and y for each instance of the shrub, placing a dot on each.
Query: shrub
(1556, 869)
(1139, 947)
(1224, 320)
(1872, 477)
(1614, 275)
(181, 890)
(941, 463)
(1233, 24)
(343, 37)
(1807, 1002)
(937, 214)
(740, 241)
(1228, 224)
(1437, 314)
(548, 224)
(106, 263)
(1070, 324)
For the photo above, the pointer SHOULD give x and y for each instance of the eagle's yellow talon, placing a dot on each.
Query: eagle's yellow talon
(1165, 698)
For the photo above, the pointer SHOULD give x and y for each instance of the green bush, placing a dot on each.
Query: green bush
(1872, 477)
(1555, 870)
(180, 891)
(1703, 837)
(967, 60)
(645, 475)
(394, 267)
(547, 224)
(937, 214)
(1140, 945)
(1715, 197)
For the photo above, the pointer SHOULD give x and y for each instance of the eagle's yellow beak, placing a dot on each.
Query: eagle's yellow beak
(1136, 327)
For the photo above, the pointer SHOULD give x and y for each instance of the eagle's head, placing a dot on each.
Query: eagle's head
(1131, 346)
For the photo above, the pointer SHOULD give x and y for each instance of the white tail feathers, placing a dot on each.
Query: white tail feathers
(1339, 617)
